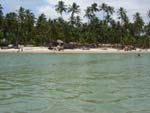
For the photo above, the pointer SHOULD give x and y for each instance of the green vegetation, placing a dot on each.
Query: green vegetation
(23, 28)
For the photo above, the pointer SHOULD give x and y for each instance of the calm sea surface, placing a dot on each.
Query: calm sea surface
(74, 83)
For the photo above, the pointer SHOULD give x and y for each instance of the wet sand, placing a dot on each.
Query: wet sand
(46, 50)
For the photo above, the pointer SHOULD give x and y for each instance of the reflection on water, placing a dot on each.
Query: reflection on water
(74, 83)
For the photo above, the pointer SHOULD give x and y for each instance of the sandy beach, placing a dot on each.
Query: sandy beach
(46, 50)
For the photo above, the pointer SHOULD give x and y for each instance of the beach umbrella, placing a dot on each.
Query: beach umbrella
(10, 45)
(60, 41)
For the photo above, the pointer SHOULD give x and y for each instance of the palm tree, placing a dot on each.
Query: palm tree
(61, 7)
(138, 24)
(124, 23)
(109, 11)
(29, 17)
(1, 16)
(89, 13)
(148, 26)
(29, 23)
(94, 7)
(41, 20)
(149, 13)
(103, 8)
(11, 27)
(21, 14)
(21, 26)
(122, 15)
(74, 9)
(42, 30)
(147, 30)
(78, 21)
(1, 13)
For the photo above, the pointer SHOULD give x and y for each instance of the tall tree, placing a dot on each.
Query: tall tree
(94, 7)
(149, 13)
(74, 9)
(29, 25)
(42, 32)
(103, 7)
(78, 21)
(123, 16)
(88, 13)
(1, 15)
(124, 24)
(147, 31)
(1, 21)
(60, 7)
(138, 25)
(91, 10)
(21, 26)
(148, 26)
(109, 11)
(11, 27)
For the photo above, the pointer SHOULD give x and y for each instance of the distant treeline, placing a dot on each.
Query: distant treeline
(22, 27)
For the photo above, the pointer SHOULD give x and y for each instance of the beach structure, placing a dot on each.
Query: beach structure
(70, 45)
(60, 42)
(60, 45)
(57, 45)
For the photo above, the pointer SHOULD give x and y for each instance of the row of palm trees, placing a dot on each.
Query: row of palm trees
(127, 29)
(91, 11)
(23, 28)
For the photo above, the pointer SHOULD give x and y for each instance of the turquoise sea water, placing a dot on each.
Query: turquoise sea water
(74, 83)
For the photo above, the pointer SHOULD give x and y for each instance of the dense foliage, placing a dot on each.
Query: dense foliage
(23, 28)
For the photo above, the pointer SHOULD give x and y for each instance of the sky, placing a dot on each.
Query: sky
(48, 7)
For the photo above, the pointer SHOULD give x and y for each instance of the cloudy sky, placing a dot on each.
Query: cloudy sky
(48, 6)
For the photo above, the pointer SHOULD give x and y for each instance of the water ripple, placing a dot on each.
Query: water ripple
(74, 83)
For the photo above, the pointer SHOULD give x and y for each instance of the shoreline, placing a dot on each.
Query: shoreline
(69, 51)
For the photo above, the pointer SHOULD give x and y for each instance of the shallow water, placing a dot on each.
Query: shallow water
(74, 83)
